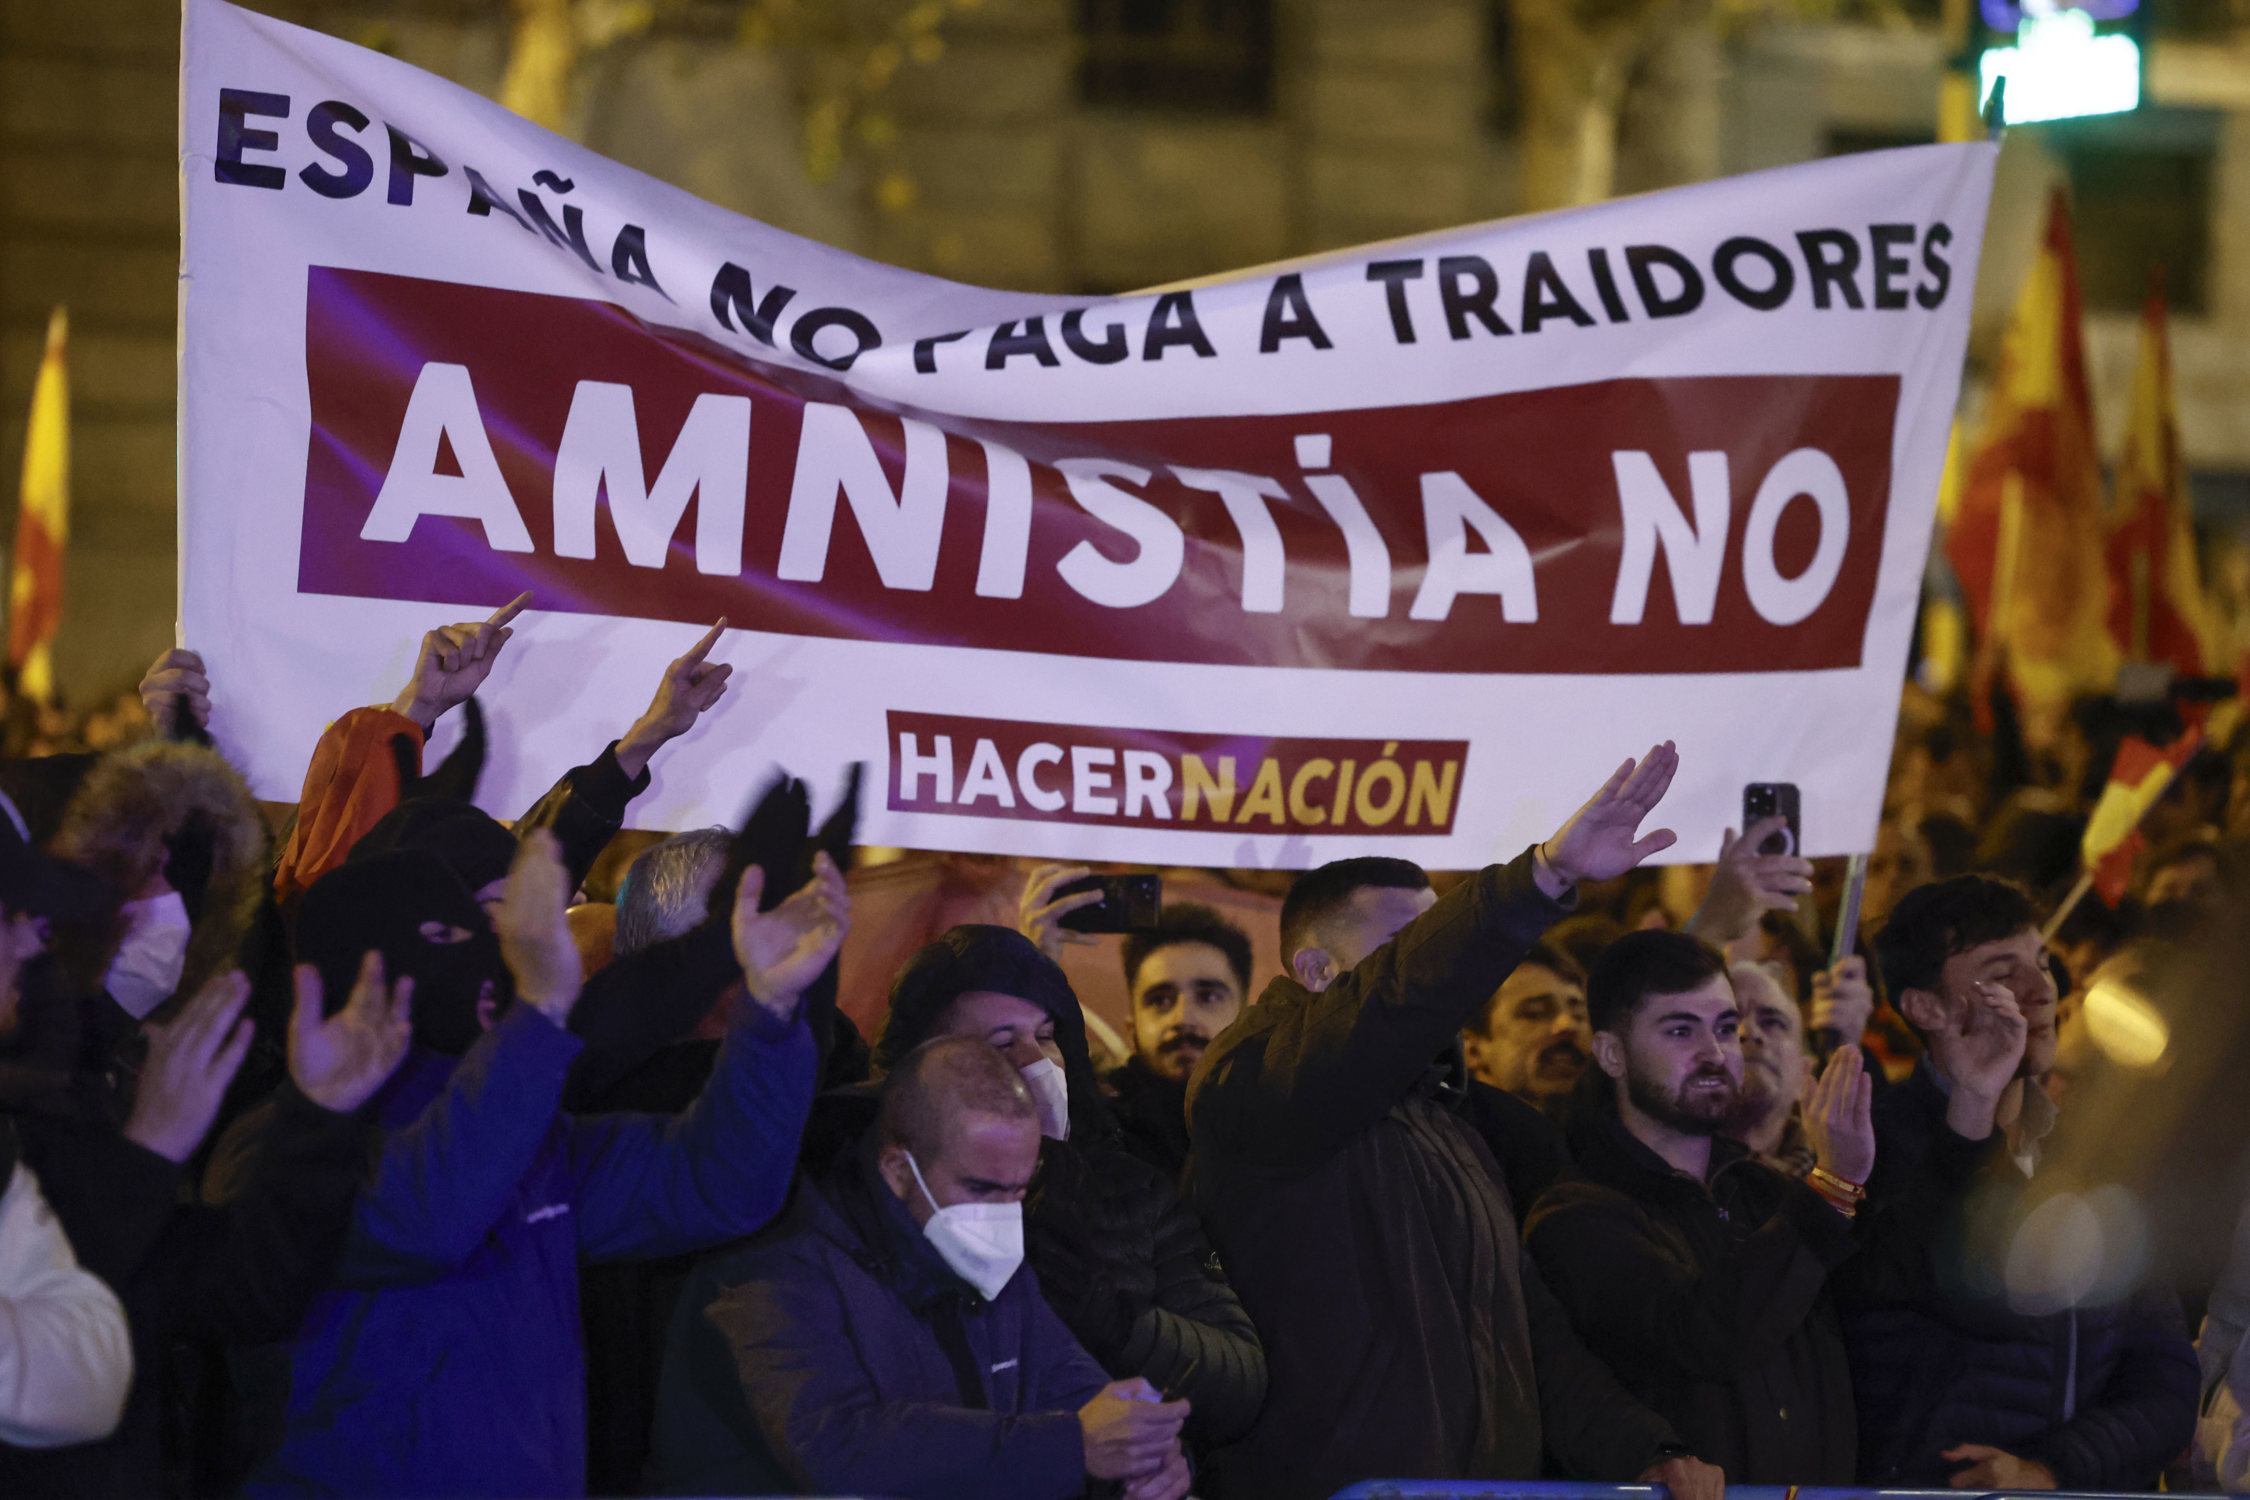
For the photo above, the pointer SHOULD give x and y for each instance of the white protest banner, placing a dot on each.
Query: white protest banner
(1399, 549)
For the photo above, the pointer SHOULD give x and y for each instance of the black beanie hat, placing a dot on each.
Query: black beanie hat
(468, 839)
(980, 956)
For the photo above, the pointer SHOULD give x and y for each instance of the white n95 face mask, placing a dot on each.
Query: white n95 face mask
(1050, 1090)
(153, 955)
(982, 1242)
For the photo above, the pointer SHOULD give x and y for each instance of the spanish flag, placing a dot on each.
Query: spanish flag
(2156, 609)
(2137, 778)
(42, 524)
(2027, 537)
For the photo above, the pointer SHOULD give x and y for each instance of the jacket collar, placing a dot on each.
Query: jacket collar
(879, 1233)
(1610, 1154)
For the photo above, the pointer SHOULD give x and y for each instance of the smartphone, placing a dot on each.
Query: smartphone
(1129, 903)
(1767, 799)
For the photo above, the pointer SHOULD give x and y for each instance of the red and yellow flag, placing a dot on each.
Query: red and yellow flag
(2137, 778)
(43, 525)
(2156, 609)
(2027, 536)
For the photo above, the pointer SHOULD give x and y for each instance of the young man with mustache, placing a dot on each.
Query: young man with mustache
(1532, 1040)
(1187, 976)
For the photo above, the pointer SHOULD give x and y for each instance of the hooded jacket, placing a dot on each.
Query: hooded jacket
(2105, 1396)
(841, 1355)
(1709, 1299)
(153, 810)
(353, 783)
(445, 1359)
(1369, 1229)
(1119, 1256)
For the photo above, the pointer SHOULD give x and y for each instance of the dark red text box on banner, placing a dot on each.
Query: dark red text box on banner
(1704, 524)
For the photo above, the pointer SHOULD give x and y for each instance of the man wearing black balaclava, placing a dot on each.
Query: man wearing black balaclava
(447, 1359)
(1119, 1256)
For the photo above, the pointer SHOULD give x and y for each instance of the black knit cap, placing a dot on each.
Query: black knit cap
(469, 840)
(980, 956)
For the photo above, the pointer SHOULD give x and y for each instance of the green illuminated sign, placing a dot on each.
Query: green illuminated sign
(2061, 68)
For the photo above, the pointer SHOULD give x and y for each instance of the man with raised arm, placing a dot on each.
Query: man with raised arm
(1364, 1217)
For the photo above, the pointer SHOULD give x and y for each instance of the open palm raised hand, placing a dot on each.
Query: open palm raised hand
(783, 951)
(1602, 840)
(339, 1061)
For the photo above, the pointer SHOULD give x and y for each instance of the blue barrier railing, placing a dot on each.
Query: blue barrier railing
(1559, 1489)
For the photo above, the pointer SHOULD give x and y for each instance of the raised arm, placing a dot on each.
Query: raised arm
(1289, 1085)
(444, 1180)
(355, 774)
(585, 809)
(652, 1185)
(246, 1272)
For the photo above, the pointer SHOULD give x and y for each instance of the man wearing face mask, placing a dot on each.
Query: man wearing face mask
(447, 1358)
(886, 1339)
(1362, 1211)
(1119, 1256)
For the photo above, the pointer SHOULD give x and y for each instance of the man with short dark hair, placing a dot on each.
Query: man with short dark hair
(1364, 1217)
(1532, 1039)
(1956, 1385)
(887, 1339)
(1187, 977)
(1697, 1273)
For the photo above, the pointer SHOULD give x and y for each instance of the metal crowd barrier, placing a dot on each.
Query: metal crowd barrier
(1555, 1489)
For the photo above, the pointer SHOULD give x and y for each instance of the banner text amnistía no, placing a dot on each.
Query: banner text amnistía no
(1396, 549)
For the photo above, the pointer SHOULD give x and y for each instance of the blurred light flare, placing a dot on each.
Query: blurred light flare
(2122, 1023)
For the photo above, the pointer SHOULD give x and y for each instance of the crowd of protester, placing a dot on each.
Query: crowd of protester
(362, 1155)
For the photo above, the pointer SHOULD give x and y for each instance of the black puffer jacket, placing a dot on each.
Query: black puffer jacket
(1118, 1254)
(2103, 1396)
(1151, 1111)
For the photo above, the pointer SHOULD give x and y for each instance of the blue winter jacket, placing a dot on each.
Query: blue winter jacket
(447, 1361)
(838, 1354)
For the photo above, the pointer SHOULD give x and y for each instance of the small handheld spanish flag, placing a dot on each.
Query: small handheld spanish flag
(35, 585)
(2137, 779)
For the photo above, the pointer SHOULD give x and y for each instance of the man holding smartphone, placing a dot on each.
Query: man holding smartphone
(1366, 1222)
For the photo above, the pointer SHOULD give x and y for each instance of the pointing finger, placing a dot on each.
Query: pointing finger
(510, 610)
(702, 648)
